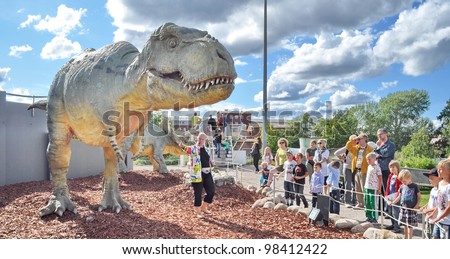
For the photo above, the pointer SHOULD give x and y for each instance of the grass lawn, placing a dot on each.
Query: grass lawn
(425, 192)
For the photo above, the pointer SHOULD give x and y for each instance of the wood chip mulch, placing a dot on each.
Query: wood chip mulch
(162, 208)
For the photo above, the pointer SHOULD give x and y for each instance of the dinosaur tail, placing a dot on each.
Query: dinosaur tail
(114, 145)
(42, 105)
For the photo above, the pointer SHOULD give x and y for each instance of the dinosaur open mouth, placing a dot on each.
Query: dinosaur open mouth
(210, 82)
(203, 84)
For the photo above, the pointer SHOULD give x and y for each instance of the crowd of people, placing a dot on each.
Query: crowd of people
(372, 181)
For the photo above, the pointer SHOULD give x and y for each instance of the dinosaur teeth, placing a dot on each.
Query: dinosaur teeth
(207, 85)
(202, 84)
(217, 80)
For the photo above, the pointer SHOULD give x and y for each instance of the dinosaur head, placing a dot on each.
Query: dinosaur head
(185, 65)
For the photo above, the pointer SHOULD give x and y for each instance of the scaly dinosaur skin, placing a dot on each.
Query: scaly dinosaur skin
(178, 66)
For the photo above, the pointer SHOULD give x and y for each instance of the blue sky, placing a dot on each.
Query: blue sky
(346, 52)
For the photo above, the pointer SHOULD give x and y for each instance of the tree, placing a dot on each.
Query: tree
(400, 111)
(337, 130)
(442, 133)
(419, 146)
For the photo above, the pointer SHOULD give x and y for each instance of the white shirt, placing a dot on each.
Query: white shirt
(443, 201)
(372, 181)
(288, 169)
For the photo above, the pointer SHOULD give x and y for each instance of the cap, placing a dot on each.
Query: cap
(289, 152)
(432, 172)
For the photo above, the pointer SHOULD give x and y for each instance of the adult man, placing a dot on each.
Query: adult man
(359, 149)
(212, 122)
(385, 150)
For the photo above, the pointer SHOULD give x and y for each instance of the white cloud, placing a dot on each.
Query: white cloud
(4, 75)
(16, 51)
(66, 20)
(420, 39)
(332, 58)
(60, 47)
(239, 24)
(386, 85)
(238, 62)
(30, 20)
(240, 81)
(18, 99)
(350, 96)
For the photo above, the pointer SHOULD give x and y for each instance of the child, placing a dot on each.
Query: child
(431, 208)
(443, 202)
(372, 187)
(409, 197)
(288, 169)
(391, 192)
(333, 184)
(316, 183)
(264, 178)
(300, 173)
(226, 145)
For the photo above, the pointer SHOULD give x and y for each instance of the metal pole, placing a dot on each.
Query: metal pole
(265, 110)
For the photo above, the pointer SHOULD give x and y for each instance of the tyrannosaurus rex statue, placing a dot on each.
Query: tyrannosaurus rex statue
(92, 96)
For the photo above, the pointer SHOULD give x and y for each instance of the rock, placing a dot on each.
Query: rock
(259, 203)
(276, 200)
(345, 223)
(269, 205)
(259, 191)
(266, 199)
(178, 171)
(361, 228)
(266, 190)
(269, 194)
(89, 218)
(219, 181)
(251, 188)
(304, 211)
(374, 233)
(333, 218)
(294, 208)
(280, 206)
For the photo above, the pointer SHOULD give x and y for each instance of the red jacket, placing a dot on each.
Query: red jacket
(397, 184)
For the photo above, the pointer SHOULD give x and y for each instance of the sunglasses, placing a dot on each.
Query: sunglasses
(282, 142)
(319, 143)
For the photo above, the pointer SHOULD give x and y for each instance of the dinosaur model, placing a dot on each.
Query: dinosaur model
(155, 142)
(94, 94)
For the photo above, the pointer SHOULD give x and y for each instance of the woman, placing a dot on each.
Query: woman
(200, 171)
(280, 157)
(256, 154)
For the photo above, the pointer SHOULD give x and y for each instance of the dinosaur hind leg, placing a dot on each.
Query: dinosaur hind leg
(111, 193)
(120, 157)
(58, 154)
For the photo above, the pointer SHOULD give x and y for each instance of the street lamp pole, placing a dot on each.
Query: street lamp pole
(265, 110)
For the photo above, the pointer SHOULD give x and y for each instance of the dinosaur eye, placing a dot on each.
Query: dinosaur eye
(173, 42)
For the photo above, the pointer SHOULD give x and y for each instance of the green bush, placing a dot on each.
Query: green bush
(418, 162)
(169, 158)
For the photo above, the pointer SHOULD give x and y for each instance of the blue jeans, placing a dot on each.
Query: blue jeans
(289, 190)
(393, 212)
(442, 232)
(218, 146)
(334, 202)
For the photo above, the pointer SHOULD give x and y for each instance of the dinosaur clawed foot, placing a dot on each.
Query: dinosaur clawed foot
(58, 204)
(111, 197)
